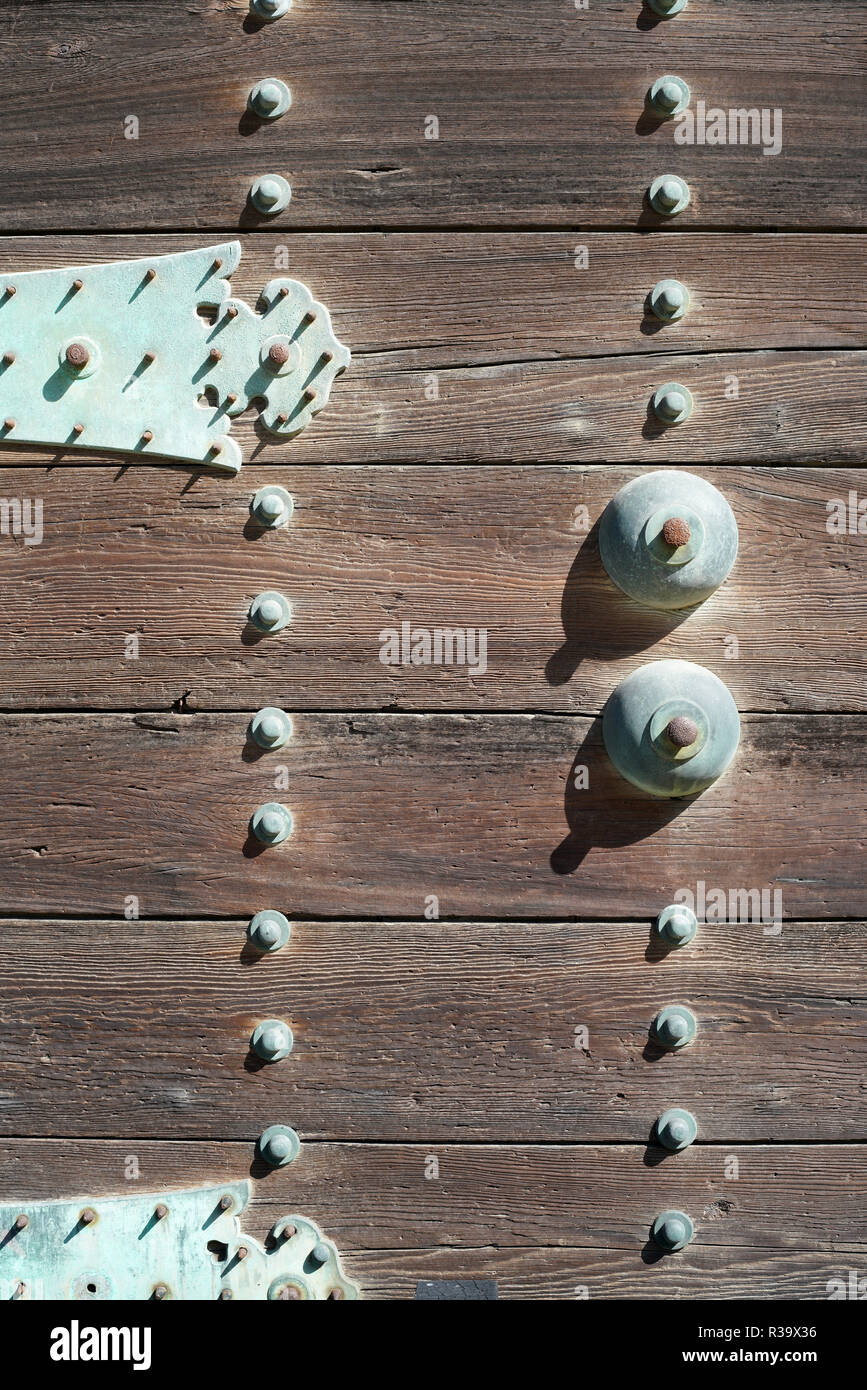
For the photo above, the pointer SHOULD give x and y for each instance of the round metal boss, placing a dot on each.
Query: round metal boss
(272, 1040)
(271, 823)
(666, 8)
(270, 727)
(270, 194)
(269, 931)
(669, 195)
(672, 1230)
(668, 96)
(669, 300)
(668, 539)
(644, 742)
(677, 925)
(674, 1027)
(278, 1145)
(269, 99)
(270, 611)
(676, 1129)
(271, 507)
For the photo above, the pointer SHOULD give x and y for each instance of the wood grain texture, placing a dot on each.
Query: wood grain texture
(506, 550)
(553, 1222)
(540, 122)
(479, 810)
(791, 407)
(429, 1032)
(457, 299)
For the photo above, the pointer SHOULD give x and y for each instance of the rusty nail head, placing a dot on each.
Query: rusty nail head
(682, 731)
(8, 357)
(160, 1291)
(232, 397)
(9, 424)
(226, 1202)
(287, 1232)
(289, 1292)
(278, 354)
(231, 312)
(218, 261)
(77, 355)
(242, 1252)
(215, 354)
(10, 289)
(78, 285)
(160, 1211)
(225, 1294)
(150, 274)
(150, 357)
(676, 531)
(87, 1217)
(147, 436)
(78, 429)
(21, 1222)
(281, 419)
(282, 291)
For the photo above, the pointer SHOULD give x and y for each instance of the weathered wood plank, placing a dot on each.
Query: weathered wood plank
(554, 1222)
(539, 123)
(427, 1031)
(502, 550)
(458, 299)
(791, 407)
(479, 810)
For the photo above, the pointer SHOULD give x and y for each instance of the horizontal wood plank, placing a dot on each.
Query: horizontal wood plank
(429, 300)
(428, 1031)
(552, 1222)
(756, 407)
(482, 811)
(540, 123)
(508, 551)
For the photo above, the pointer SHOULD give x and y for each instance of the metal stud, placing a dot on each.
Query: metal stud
(677, 925)
(270, 194)
(672, 1230)
(669, 195)
(21, 1222)
(668, 96)
(637, 728)
(672, 403)
(674, 1027)
(271, 823)
(669, 300)
(8, 358)
(269, 99)
(278, 1145)
(271, 507)
(160, 1291)
(270, 611)
(270, 9)
(272, 1040)
(666, 8)
(161, 1211)
(9, 423)
(668, 539)
(270, 727)
(269, 931)
(77, 355)
(87, 1216)
(676, 1129)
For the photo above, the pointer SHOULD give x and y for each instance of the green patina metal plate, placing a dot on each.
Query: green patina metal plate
(171, 357)
(182, 1245)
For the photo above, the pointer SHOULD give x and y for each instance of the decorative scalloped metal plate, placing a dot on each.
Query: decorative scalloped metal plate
(193, 1251)
(180, 403)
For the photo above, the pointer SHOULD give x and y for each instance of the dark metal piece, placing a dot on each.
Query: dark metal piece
(682, 731)
(21, 1222)
(87, 1216)
(78, 285)
(161, 1291)
(147, 436)
(278, 354)
(161, 1211)
(9, 424)
(150, 275)
(9, 358)
(78, 429)
(77, 355)
(215, 355)
(676, 531)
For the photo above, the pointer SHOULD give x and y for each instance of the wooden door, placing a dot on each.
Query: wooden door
(473, 965)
